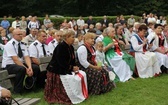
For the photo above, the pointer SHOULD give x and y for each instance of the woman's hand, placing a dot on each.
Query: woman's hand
(150, 46)
(98, 68)
(145, 41)
(110, 45)
(121, 42)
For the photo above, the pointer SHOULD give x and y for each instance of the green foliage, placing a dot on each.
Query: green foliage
(82, 7)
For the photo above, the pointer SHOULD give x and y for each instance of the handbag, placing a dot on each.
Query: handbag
(29, 82)
(4, 101)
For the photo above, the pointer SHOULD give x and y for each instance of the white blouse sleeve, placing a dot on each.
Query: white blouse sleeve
(150, 37)
(82, 56)
(135, 44)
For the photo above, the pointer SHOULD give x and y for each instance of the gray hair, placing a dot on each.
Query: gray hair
(67, 33)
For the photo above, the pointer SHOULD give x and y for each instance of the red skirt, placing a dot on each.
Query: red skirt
(54, 91)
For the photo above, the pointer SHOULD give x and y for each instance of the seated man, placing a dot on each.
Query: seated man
(31, 37)
(57, 38)
(17, 61)
(37, 50)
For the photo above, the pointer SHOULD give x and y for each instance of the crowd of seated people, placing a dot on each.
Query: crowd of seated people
(90, 55)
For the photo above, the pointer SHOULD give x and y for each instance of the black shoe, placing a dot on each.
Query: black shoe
(166, 71)
(163, 69)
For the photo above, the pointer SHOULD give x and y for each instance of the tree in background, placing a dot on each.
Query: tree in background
(82, 7)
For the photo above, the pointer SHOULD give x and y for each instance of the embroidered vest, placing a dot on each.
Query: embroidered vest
(139, 42)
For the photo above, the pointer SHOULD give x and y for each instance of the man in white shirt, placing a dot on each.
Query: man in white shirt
(131, 20)
(17, 61)
(37, 50)
(80, 22)
(151, 19)
(33, 23)
(53, 44)
(16, 23)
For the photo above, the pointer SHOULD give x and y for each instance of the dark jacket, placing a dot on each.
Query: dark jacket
(90, 22)
(63, 59)
(106, 23)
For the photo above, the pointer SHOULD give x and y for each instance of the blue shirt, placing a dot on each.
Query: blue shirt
(5, 24)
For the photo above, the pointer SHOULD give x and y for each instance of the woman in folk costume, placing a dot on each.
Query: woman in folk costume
(122, 40)
(122, 63)
(146, 62)
(66, 84)
(165, 31)
(159, 46)
(97, 77)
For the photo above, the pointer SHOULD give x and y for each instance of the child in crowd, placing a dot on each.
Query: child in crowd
(100, 59)
(3, 39)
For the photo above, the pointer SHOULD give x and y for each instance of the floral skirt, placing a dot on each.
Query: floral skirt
(98, 81)
(54, 91)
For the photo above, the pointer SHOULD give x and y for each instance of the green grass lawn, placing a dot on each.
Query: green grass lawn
(151, 91)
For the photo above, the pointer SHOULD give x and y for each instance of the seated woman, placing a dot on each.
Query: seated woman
(97, 77)
(160, 46)
(3, 38)
(120, 37)
(146, 62)
(122, 63)
(66, 84)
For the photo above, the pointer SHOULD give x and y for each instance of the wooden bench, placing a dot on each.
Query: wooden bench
(44, 62)
(5, 78)
(26, 101)
(7, 81)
